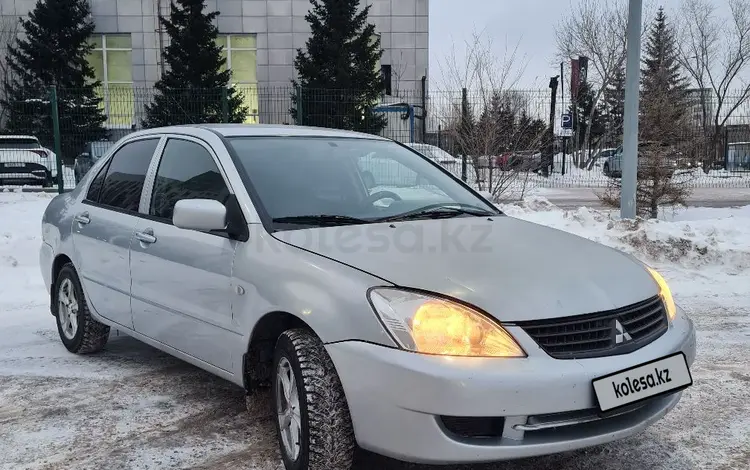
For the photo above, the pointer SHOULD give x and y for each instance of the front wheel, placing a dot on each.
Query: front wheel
(313, 423)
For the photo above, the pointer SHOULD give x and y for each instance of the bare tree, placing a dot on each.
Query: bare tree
(596, 29)
(398, 70)
(716, 54)
(472, 122)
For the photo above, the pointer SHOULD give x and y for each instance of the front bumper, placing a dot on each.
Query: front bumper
(46, 258)
(396, 399)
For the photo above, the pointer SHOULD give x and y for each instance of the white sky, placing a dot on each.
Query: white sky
(529, 23)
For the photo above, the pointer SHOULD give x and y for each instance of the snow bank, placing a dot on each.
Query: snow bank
(691, 238)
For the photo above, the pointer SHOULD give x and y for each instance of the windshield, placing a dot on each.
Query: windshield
(16, 143)
(363, 179)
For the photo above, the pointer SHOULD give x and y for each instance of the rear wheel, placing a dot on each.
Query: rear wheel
(79, 332)
(313, 423)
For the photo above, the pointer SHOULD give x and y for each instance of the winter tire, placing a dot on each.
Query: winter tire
(312, 417)
(79, 332)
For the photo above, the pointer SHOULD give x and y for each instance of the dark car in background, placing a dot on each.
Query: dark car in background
(668, 159)
(93, 152)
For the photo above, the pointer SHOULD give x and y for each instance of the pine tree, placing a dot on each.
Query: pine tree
(496, 125)
(613, 100)
(54, 53)
(664, 88)
(529, 133)
(194, 89)
(337, 78)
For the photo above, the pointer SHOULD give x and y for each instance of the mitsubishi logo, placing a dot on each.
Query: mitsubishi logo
(621, 335)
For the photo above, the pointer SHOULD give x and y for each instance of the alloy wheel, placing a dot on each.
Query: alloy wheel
(67, 309)
(287, 409)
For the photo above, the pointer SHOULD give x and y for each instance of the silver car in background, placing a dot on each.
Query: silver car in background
(424, 324)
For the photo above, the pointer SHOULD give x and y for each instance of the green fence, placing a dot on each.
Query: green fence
(491, 140)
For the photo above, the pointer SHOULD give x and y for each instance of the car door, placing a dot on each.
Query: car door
(616, 161)
(104, 226)
(182, 279)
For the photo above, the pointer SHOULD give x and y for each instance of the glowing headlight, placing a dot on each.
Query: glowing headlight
(664, 293)
(432, 325)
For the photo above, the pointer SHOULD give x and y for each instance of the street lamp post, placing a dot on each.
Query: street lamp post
(630, 124)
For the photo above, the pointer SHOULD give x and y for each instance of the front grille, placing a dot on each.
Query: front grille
(597, 334)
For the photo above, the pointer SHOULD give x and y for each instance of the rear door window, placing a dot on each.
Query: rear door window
(126, 175)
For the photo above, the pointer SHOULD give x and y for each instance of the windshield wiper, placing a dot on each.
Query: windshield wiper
(439, 211)
(321, 219)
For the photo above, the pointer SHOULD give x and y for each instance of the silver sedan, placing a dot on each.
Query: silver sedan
(381, 302)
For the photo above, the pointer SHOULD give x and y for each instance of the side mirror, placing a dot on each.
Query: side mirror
(200, 214)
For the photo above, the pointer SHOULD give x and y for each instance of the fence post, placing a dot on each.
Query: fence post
(491, 166)
(726, 149)
(464, 123)
(224, 105)
(56, 135)
(300, 119)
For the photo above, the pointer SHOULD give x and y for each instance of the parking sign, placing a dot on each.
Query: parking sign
(567, 121)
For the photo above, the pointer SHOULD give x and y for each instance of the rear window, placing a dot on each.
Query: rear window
(19, 143)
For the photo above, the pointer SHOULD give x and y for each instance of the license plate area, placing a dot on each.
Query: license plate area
(629, 386)
(14, 165)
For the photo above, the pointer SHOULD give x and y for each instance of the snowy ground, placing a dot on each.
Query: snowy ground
(133, 407)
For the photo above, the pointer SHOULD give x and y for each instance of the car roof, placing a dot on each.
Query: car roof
(16, 137)
(265, 130)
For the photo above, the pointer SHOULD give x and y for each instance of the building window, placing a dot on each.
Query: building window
(387, 73)
(240, 52)
(112, 60)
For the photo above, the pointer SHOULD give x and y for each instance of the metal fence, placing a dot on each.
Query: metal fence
(497, 141)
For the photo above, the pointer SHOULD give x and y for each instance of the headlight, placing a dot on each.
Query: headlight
(432, 325)
(664, 293)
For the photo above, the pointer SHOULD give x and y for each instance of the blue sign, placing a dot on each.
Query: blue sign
(567, 121)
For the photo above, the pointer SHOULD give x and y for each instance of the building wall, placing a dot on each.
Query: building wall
(280, 28)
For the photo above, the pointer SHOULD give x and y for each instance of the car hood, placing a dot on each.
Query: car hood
(512, 269)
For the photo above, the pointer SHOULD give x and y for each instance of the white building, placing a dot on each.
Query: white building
(260, 38)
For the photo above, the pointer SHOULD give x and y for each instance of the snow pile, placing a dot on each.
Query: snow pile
(691, 238)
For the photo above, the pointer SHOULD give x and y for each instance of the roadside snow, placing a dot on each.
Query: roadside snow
(133, 407)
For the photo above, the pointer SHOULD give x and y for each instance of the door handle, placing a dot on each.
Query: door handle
(147, 236)
(83, 219)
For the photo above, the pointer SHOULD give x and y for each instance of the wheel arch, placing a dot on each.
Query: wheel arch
(257, 361)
